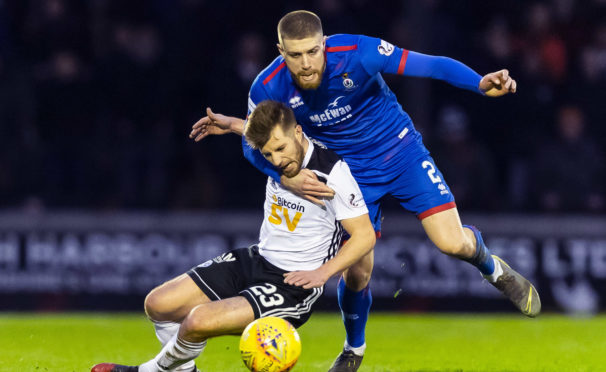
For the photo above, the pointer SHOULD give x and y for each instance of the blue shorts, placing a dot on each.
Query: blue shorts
(420, 188)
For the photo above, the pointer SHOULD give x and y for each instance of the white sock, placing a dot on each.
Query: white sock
(167, 330)
(174, 355)
(359, 351)
(498, 270)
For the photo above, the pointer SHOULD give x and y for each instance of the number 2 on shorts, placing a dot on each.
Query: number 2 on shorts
(431, 172)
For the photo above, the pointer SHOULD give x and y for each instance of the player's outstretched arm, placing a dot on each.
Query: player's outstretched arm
(307, 185)
(361, 242)
(496, 84)
(216, 124)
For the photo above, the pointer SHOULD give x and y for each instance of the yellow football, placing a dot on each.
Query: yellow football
(270, 345)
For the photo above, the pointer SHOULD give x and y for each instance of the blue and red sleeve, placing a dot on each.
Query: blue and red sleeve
(381, 56)
(378, 56)
(442, 68)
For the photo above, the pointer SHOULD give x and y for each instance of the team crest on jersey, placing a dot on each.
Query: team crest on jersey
(295, 102)
(385, 48)
(225, 257)
(355, 200)
(347, 82)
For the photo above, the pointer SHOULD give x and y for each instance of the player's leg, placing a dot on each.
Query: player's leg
(431, 199)
(444, 229)
(357, 276)
(217, 318)
(264, 294)
(261, 292)
(355, 297)
(225, 317)
(175, 299)
(168, 304)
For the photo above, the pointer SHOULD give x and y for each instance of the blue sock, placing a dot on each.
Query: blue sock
(482, 259)
(354, 310)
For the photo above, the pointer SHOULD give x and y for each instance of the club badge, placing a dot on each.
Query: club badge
(347, 82)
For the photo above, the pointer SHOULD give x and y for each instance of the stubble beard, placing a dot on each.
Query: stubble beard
(309, 85)
(298, 162)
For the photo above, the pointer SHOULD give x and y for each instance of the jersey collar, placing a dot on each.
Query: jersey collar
(310, 150)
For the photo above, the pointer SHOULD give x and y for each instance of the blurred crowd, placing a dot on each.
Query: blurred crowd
(97, 99)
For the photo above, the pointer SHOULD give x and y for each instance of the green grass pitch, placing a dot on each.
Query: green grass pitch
(396, 342)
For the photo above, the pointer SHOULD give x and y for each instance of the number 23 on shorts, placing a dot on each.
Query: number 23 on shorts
(267, 295)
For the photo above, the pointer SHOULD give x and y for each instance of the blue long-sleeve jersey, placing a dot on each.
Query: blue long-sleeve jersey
(353, 111)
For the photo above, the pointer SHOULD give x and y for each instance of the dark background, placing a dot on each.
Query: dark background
(97, 99)
(103, 195)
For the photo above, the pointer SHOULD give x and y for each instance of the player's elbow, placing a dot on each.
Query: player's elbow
(366, 236)
(371, 239)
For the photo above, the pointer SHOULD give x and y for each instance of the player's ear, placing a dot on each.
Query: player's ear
(298, 132)
(280, 49)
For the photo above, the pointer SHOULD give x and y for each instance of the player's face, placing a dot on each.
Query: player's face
(285, 150)
(305, 60)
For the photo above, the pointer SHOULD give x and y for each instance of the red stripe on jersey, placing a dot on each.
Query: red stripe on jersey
(403, 61)
(438, 209)
(344, 48)
(274, 72)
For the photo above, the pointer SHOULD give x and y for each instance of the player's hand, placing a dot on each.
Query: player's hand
(307, 185)
(306, 279)
(211, 124)
(497, 84)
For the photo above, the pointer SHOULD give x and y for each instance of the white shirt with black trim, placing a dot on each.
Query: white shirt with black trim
(299, 235)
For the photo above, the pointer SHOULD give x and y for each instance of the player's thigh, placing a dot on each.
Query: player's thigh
(224, 317)
(174, 299)
(421, 188)
(445, 230)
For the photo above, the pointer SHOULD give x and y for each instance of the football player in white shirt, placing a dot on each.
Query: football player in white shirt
(284, 274)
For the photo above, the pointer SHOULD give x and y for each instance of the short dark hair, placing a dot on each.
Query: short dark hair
(266, 116)
(298, 25)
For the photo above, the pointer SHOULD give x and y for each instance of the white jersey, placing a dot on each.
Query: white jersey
(299, 235)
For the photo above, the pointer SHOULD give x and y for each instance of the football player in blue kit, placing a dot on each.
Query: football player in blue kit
(335, 87)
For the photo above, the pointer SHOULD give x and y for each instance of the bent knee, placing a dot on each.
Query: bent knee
(153, 307)
(358, 275)
(459, 249)
(196, 323)
(357, 282)
(157, 307)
